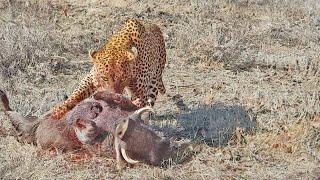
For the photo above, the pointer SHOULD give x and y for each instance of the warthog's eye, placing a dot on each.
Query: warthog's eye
(96, 109)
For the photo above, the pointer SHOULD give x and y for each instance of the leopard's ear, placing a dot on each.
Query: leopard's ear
(132, 53)
(92, 55)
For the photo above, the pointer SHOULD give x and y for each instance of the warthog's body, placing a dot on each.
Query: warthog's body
(107, 118)
(104, 109)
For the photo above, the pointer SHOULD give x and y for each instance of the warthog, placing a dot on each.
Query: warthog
(105, 119)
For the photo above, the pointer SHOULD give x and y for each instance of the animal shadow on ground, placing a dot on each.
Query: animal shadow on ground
(214, 125)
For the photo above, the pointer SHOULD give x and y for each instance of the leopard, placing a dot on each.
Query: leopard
(133, 59)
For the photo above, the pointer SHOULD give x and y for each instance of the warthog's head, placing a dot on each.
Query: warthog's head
(95, 118)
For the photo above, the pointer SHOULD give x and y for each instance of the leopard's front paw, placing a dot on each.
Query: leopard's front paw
(139, 103)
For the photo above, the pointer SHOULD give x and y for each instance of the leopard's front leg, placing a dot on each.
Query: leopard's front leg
(84, 90)
(139, 97)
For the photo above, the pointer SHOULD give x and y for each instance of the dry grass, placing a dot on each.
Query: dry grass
(255, 63)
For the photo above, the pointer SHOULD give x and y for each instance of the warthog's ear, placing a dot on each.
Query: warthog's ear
(132, 54)
(137, 114)
(85, 130)
(80, 124)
